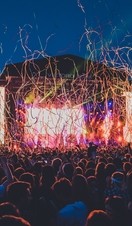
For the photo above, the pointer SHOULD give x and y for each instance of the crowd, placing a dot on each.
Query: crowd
(76, 187)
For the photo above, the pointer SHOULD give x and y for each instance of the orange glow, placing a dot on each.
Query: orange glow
(119, 139)
(15, 147)
(119, 124)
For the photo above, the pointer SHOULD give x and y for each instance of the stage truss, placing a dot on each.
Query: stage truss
(65, 110)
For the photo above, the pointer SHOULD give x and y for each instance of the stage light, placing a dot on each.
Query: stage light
(119, 139)
(127, 129)
(119, 124)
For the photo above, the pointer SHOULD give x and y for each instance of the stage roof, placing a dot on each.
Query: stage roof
(65, 66)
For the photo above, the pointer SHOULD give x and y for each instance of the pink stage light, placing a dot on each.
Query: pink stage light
(107, 126)
(54, 127)
(127, 130)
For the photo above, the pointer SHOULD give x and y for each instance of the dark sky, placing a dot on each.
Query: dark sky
(88, 28)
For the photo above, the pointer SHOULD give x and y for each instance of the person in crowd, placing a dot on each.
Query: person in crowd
(19, 193)
(92, 149)
(47, 179)
(109, 170)
(101, 182)
(117, 186)
(129, 189)
(13, 221)
(8, 174)
(75, 200)
(68, 170)
(7, 208)
(117, 210)
(60, 188)
(98, 218)
(56, 164)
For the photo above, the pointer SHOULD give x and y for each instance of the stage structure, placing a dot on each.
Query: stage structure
(65, 101)
(127, 130)
(2, 115)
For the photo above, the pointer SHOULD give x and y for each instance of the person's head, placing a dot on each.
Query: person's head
(18, 193)
(13, 221)
(127, 166)
(116, 209)
(100, 169)
(78, 170)
(79, 187)
(118, 179)
(56, 163)
(7, 208)
(89, 172)
(29, 178)
(129, 183)
(63, 191)
(92, 184)
(118, 163)
(110, 159)
(114, 205)
(98, 218)
(37, 168)
(90, 164)
(90, 144)
(109, 169)
(68, 170)
(48, 176)
(18, 171)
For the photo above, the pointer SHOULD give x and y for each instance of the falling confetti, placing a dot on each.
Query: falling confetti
(50, 105)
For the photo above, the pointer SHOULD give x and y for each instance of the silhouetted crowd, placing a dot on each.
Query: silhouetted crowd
(74, 187)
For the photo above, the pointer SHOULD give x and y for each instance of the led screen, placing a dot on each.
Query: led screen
(54, 127)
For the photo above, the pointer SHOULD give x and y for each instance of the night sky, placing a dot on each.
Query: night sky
(32, 29)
